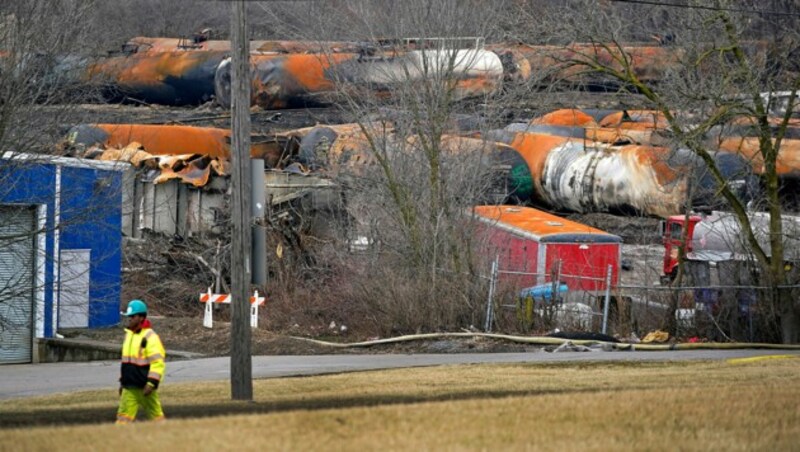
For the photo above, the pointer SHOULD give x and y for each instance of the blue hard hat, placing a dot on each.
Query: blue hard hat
(135, 307)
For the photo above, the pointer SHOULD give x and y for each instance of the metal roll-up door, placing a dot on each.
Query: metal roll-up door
(17, 267)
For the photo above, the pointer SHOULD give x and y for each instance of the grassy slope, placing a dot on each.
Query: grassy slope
(595, 407)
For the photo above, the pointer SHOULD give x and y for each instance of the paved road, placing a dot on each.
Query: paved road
(37, 379)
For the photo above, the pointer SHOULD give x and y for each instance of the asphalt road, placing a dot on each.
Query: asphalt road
(24, 380)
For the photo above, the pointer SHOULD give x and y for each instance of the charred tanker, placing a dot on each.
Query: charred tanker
(283, 81)
(294, 80)
(346, 149)
(573, 174)
(165, 78)
(177, 140)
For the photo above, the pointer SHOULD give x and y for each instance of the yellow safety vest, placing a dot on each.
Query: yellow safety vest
(143, 357)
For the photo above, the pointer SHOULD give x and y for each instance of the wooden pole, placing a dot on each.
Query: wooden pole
(241, 361)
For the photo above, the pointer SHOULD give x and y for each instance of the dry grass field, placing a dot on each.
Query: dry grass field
(739, 405)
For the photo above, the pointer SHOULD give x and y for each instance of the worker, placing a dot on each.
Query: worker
(142, 367)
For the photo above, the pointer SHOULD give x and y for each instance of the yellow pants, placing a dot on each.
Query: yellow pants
(132, 399)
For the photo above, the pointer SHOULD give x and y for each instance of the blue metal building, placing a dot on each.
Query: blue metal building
(60, 248)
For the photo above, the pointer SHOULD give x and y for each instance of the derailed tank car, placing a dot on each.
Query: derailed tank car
(583, 176)
(283, 80)
(306, 79)
(164, 78)
(177, 140)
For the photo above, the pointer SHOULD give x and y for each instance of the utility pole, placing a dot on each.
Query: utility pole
(241, 361)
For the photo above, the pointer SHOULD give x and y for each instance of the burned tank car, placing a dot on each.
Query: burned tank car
(166, 78)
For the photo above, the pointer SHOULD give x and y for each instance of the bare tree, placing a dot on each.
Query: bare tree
(409, 182)
(717, 76)
(41, 43)
(110, 23)
(41, 53)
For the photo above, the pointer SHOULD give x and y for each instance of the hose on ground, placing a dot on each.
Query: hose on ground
(546, 340)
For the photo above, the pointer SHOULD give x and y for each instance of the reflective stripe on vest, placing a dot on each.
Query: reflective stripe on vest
(136, 361)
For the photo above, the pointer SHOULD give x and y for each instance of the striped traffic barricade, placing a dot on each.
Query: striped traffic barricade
(210, 299)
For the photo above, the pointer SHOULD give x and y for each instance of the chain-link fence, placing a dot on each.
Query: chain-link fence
(710, 312)
(537, 303)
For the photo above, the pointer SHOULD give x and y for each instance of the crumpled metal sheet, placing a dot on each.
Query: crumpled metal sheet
(191, 154)
(178, 140)
(133, 153)
(191, 169)
(169, 139)
(194, 169)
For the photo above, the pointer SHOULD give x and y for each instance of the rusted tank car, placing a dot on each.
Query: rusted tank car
(591, 118)
(338, 148)
(788, 160)
(739, 137)
(292, 80)
(143, 44)
(650, 63)
(604, 126)
(516, 68)
(307, 46)
(344, 148)
(472, 72)
(573, 174)
(732, 143)
(176, 140)
(283, 81)
(507, 176)
(165, 78)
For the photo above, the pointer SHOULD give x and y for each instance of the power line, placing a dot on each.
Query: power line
(708, 8)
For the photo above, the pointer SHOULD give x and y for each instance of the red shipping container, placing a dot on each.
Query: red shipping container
(530, 241)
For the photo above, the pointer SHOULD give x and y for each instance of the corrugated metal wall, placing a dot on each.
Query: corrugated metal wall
(17, 268)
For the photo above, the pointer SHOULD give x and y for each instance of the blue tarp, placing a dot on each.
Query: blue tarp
(542, 291)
